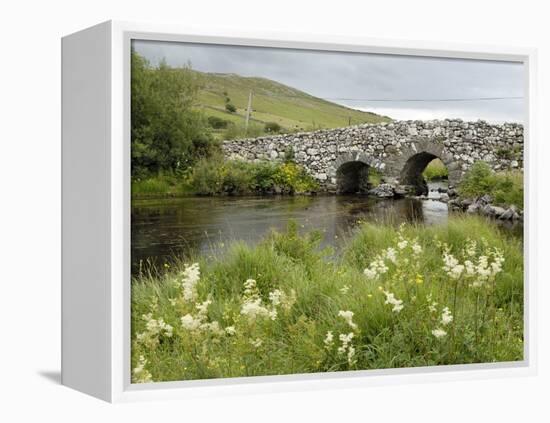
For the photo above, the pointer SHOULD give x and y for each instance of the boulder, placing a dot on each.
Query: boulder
(382, 191)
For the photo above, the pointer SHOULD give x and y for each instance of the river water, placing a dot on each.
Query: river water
(180, 226)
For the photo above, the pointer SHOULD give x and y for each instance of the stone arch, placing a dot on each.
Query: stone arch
(349, 172)
(416, 156)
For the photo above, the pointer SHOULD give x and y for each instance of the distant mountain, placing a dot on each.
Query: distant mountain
(275, 102)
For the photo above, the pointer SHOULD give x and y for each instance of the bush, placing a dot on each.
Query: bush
(234, 177)
(506, 188)
(272, 127)
(230, 107)
(217, 123)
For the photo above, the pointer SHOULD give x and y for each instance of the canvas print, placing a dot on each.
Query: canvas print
(297, 211)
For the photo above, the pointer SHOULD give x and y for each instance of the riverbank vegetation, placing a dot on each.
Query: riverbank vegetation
(505, 188)
(216, 176)
(396, 297)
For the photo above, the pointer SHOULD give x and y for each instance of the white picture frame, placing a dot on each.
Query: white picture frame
(96, 226)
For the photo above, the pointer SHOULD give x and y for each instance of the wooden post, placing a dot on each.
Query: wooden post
(248, 111)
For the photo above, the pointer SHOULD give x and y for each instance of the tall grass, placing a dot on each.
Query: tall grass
(282, 307)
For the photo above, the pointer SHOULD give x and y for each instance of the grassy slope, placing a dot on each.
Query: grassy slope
(275, 102)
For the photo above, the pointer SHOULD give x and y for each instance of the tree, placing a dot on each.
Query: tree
(167, 132)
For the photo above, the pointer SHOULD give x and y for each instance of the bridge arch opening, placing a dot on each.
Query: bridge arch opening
(413, 171)
(353, 178)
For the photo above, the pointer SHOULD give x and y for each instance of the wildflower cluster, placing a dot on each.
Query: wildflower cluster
(478, 271)
(253, 306)
(390, 299)
(154, 328)
(397, 255)
(191, 276)
(446, 319)
(347, 347)
(199, 322)
(140, 373)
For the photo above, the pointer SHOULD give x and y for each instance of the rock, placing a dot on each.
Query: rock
(382, 191)
(473, 208)
(401, 190)
(273, 154)
(444, 198)
(485, 199)
(498, 211)
(507, 215)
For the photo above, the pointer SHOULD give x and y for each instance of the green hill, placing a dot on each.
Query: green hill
(292, 109)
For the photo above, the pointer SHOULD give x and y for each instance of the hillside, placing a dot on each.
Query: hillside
(292, 109)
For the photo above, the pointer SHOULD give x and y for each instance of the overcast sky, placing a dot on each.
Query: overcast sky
(356, 80)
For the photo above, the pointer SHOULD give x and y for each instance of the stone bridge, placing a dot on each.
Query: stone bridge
(339, 159)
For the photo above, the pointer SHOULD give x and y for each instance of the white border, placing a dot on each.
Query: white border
(122, 390)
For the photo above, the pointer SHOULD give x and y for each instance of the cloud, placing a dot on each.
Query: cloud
(339, 76)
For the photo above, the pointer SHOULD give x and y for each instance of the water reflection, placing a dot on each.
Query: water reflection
(167, 227)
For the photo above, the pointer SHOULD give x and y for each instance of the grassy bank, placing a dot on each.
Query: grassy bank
(505, 188)
(397, 297)
(216, 176)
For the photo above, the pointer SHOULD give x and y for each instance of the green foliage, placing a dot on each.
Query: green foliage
(218, 123)
(312, 292)
(504, 187)
(435, 170)
(273, 127)
(168, 133)
(230, 107)
(234, 177)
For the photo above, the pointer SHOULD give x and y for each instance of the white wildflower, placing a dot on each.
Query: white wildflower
(275, 297)
(376, 268)
(417, 249)
(348, 317)
(439, 333)
(329, 340)
(402, 244)
(391, 255)
(452, 266)
(230, 330)
(191, 276)
(346, 340)
(446, 316)
(370, 273)
(253, 308)
(390, 299)
(140, 373)
(190, 323)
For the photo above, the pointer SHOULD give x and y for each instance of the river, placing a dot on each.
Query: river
(162, 228)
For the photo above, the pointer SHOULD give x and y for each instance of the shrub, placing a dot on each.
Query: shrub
(506, 188)
(217, 123)
(273, 127)
(230, 107)
(234, 177)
